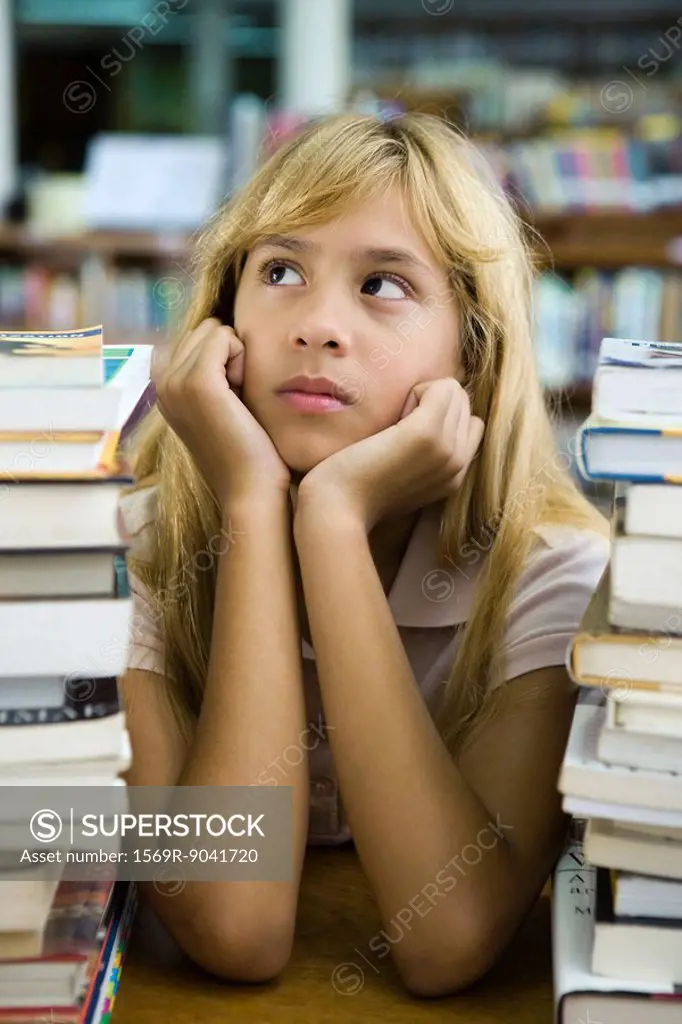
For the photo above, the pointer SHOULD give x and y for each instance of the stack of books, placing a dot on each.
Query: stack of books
(618, 891)
(65, 620)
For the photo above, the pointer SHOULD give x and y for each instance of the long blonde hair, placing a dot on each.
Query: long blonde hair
(518, 480)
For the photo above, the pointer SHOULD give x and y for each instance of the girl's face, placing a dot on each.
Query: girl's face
(360, 301)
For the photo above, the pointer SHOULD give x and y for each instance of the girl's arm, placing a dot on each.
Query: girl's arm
(253, 708)
(456, 851)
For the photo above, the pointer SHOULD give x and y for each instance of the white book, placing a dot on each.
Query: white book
(61, 574)
(626, 847)
(37, 514)
(637, 895)
(645, 711)
(638, 376)
(26, 900)
(581, 996)
(583, 774)
(99, 408)
(584, 807)
(65, 637)
(50, 453)
(40, 746)
(75, 760)
(647, 570)
(649, 949)
(654, 510)
(640, 750)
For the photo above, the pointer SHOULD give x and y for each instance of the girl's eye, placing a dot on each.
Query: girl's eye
(267, 270)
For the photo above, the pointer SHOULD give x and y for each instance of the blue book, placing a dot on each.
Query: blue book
(645, 453)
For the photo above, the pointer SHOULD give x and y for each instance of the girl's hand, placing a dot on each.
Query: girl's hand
(198, 395)
(417, 461)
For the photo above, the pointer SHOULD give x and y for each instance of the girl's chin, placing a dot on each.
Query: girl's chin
(302, 458)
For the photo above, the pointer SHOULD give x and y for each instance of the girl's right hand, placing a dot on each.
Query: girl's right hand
(195, 395)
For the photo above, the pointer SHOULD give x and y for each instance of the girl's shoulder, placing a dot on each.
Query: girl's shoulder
(138, 510)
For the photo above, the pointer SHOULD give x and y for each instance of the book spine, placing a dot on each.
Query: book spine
(573, 902)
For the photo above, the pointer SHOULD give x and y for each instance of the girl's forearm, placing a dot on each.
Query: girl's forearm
(253, 707)
(410, 808)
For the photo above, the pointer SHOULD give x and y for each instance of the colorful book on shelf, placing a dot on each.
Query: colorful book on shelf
(51, 359)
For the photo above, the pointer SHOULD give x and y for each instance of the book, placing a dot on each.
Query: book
(636, 895)
(583, 774)
(646, 570)
(29, 466)
(59, 975)
(640, 750)
(646, 711)
(633, 814)
(606, 656)
(646, 453)
(27, 899)
(77, 636)
(51, 359)
(63, 514)
(653, 510)
(629, 847)
(52, 452)
(106, 408)
(43, 574)
(580, 995)
(646, 948)
(82, 1009)
(637, 376)
(32, 767)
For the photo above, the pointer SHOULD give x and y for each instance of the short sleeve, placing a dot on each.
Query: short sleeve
(551, 597)
(146, 648)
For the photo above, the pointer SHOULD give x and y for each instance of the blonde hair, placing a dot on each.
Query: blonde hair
(517, 481)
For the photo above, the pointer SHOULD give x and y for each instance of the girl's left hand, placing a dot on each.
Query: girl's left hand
(419, 460)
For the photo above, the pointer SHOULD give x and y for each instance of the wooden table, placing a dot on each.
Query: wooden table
(337, 919)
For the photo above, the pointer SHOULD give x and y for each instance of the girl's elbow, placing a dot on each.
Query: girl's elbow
(453, 968)
(248, 955)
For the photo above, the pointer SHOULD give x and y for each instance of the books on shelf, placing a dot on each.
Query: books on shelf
(573, 317)
(132, 301)
(66, 620)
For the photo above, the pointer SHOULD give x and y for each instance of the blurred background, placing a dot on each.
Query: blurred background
(124, 122)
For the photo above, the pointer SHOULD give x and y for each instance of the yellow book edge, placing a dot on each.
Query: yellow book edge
(109, 462)
(595, 629)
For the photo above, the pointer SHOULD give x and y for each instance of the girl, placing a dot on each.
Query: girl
(354, 539)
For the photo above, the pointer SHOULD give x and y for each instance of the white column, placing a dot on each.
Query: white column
(8, 145)
(315, 56)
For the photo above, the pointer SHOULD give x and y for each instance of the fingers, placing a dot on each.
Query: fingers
(211, 349)
(471, 443)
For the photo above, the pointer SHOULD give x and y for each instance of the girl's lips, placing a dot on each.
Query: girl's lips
(306, 401)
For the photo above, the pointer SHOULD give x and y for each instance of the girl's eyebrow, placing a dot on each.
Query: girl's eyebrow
(379, 255)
